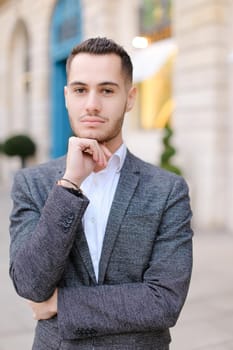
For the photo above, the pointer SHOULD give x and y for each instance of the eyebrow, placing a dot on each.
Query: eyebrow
(104, 83)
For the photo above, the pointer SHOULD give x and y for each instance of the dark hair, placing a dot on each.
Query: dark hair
(102, 46)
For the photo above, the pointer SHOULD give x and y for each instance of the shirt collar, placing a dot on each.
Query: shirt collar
(120, 155)
(114, 165)
(116, 161)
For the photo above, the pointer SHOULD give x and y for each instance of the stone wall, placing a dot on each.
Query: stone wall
(201, 118)
(115, 19)
(36, 18)
(203, 88)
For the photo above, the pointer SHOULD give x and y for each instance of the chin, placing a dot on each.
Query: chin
(90, 135)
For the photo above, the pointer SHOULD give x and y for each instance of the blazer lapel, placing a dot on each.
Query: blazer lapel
(127, 183)
(80, 244)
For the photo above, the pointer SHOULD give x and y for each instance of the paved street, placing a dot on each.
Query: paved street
(206, 322)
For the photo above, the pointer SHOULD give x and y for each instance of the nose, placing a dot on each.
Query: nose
(93, 103)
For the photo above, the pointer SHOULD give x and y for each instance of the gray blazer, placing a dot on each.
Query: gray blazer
(145, 266)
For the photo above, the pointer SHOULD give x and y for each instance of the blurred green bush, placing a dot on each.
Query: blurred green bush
(19, 145)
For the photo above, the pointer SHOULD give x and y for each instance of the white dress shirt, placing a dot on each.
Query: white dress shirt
(100, 188)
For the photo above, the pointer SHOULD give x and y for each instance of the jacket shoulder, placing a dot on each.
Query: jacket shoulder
(44, 174)
(50, 166)
(151, 170)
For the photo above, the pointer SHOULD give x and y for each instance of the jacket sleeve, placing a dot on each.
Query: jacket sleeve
(41, 237)
(152, 304)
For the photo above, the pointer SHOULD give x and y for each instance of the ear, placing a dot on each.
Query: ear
(131, 98)
(65, 95)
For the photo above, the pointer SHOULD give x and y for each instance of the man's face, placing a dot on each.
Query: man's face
(97, 97)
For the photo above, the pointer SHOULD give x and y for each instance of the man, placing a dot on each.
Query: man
(101, 242)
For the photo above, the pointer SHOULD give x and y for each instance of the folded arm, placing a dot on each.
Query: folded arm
(152, 304)
(41, 238)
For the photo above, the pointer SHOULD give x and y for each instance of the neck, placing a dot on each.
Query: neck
(113, 145)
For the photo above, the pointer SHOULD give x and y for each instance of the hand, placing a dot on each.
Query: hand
(83, 157)
(46, 309)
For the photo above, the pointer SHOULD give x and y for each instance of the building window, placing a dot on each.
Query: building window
(19, 96)
(156, 102)
(155, 19)
(66, 27)
(66, 32)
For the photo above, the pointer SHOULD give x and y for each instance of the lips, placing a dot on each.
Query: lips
(92, 120)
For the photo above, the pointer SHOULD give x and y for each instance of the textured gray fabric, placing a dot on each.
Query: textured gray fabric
(145, 265)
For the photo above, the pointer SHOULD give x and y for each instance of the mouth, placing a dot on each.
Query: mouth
(89, 120)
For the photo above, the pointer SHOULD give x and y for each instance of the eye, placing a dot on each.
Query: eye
(107, 91)
(80, 90)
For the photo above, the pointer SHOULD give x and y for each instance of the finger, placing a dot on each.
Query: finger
(105, 155)
(106, 151)
(88, 151)
(103, 160)
(89, 147)
(95, 150)
(98, 152)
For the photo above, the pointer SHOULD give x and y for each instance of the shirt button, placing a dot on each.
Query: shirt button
(93, 220)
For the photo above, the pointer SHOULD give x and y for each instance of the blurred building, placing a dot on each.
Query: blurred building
(36, 38)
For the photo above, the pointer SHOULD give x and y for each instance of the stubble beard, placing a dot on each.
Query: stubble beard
(107, 135)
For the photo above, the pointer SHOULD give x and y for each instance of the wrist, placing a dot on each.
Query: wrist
(64, 182)
(75, 180)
